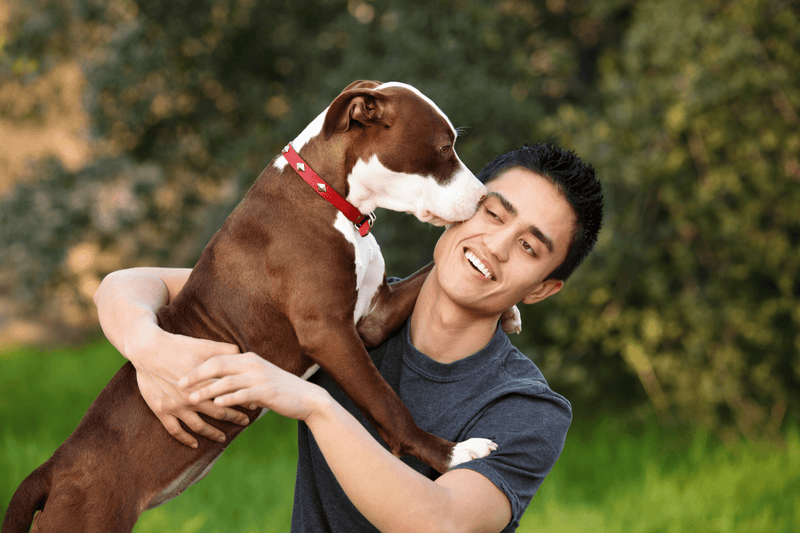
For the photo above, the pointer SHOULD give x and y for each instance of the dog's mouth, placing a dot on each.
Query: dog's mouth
(433, 220)
(478, 265)
(436, 221)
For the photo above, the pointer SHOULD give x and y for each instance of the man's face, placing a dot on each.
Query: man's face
(501, 255)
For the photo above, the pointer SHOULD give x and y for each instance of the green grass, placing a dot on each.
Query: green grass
(612, 476)
(643, 479)
(43, 395)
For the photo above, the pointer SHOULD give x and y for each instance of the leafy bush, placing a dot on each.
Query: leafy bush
(687, 109)
(696, 285)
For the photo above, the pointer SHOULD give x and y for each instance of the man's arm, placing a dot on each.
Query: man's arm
(390, 494)
(128, 299)
(393, 496)
(127, 302)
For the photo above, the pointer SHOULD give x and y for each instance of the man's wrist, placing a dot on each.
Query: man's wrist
(140, 337)
(323, 408)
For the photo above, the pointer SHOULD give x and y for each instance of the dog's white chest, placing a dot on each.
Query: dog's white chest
(369, 264)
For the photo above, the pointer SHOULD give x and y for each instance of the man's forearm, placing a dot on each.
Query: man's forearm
(391, 495)
(119, 306)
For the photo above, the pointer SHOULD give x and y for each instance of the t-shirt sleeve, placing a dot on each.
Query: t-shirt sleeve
(530, 430)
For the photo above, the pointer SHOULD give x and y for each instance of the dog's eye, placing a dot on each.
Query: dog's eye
(444, 149)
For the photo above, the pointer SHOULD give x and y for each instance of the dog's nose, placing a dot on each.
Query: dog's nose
(480, 190)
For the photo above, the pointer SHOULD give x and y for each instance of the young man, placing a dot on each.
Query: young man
(450, 363)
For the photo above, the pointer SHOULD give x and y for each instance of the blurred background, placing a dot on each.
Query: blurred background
(129, 129)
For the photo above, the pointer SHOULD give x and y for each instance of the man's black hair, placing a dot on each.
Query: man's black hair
(574, 179)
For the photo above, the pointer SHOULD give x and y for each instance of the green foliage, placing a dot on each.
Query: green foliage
(208, 92)
(697, 143)
(687, 109)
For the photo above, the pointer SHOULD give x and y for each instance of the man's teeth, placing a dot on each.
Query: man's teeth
(477, 263)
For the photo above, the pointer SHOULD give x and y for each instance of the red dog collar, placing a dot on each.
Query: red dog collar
(362, 222)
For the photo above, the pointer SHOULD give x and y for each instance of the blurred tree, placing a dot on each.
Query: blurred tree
(696, 287)
(688, 110)
(207, 92)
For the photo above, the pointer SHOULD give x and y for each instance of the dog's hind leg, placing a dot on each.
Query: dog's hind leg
(72, 508)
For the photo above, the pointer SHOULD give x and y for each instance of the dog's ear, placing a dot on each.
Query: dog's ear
(366, 106)
(362, 84)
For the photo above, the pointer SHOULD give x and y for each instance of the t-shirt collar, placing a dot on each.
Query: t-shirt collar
(435, 370)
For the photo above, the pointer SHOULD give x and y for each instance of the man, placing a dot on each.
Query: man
(450, 363)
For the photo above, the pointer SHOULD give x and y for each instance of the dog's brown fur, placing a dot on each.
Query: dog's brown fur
(255, 286)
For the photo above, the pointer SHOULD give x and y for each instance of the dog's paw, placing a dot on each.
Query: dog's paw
(511, 320)
(471, 449)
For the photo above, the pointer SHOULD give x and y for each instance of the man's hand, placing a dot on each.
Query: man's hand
(161, 359)
(127, 302)
(247, 379)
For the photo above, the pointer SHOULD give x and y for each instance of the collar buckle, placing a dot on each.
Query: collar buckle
(364, 223)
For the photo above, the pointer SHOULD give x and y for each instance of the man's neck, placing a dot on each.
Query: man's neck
(443, 330)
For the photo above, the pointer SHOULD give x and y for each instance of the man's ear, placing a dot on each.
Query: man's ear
(363, 105)
(546, 288)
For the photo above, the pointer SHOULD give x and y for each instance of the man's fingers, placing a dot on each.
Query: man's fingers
(201, 427)
(223, 413)
(171, 409)
(204, 348)
(216, 389)
(238, 397)
(211, 369)
(174, 428)
(237, 417)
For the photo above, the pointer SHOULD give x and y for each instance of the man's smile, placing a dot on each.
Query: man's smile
(478, 265)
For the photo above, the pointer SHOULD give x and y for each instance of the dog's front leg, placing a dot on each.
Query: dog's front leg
(391, 306)
(393, 303)
(336, 347)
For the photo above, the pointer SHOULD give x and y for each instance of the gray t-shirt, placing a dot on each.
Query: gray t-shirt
(496, 393)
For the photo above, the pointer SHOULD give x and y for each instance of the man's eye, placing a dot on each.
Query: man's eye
(528, 248)
(491, 214)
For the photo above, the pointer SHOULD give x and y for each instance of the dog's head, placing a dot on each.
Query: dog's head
(400, 153)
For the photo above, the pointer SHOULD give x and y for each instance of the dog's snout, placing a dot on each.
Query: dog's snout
(470, 181)
(477, 189)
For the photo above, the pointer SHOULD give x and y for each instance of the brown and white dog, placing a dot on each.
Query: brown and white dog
(288, 277)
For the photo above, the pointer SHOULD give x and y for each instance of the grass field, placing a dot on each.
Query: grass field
(612, 476)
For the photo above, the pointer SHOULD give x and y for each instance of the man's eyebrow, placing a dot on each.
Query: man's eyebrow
(547, 241)
(535, 231)
(508, 206)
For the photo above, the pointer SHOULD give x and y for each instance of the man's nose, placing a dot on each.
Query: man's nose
(498, 243)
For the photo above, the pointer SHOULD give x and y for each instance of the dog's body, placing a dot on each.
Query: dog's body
(287, 277)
